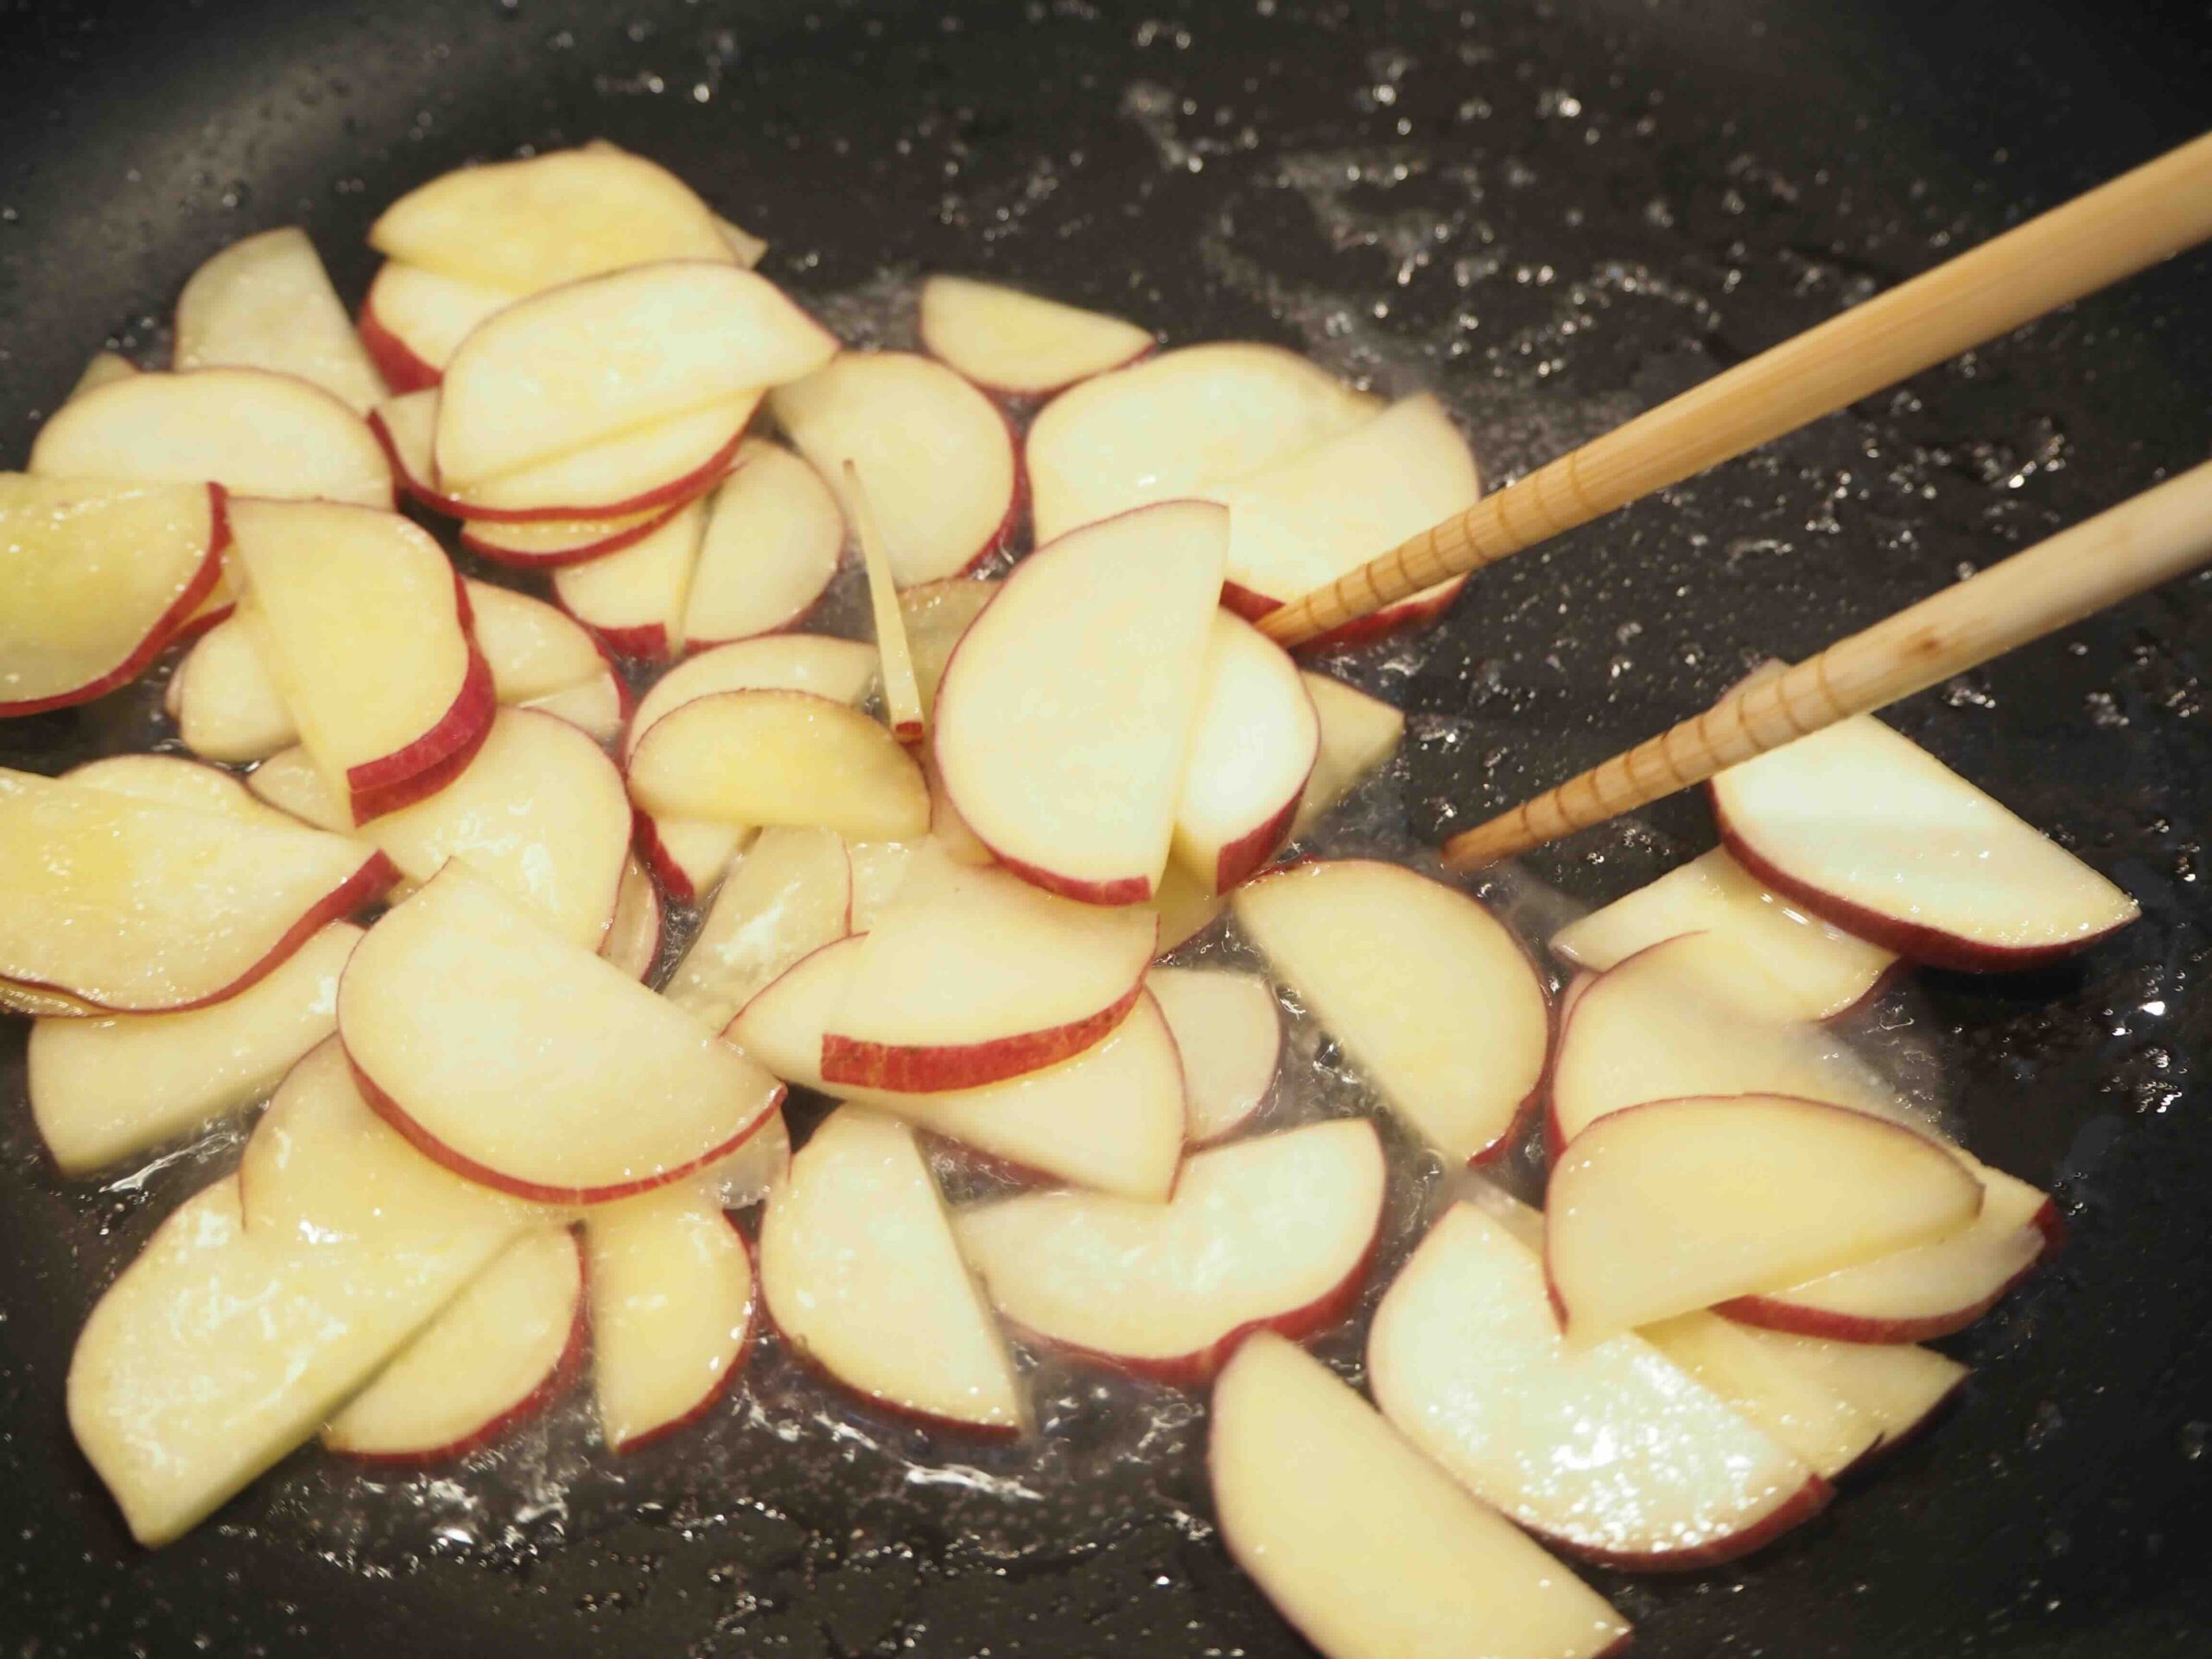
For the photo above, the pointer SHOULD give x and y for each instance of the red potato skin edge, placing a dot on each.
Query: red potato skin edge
(1252, 605)
(437, 1150)
(995, 1433)
(167, 628)
(1029, 398)
(471, 539)
(1777, 1313)
(645, 643)
(1614, 1649)
(1553, 1134)
(1247, 854)
(1123, 890)
(1889, 1444)
(375, 875)
(1551, 1289)
(672, 494)
(658, 860)
(795, 623)
(719, 1387)
(1193, 1143)
(403, 369)
(1539, 1090)
(1197, 1370)
(1800, 1506)
(391, 781)
(567, 1366)
(192, 627)
(1911, 940)
(967, 1065)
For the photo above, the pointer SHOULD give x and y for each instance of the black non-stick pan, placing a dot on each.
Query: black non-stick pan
(1557, 214)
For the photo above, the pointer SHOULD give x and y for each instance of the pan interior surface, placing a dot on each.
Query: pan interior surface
(1554, 216)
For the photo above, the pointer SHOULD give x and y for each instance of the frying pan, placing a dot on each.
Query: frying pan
(1556, 213)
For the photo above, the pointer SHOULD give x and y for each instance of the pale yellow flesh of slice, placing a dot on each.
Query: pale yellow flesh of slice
(1179, 424)
(539, 811)
(219, 1350)
(774, 537)
(266, 302)
(978, 956)
(1768, 1388)
(879, 870)
(1252, 747)
(760, 757)
(495, 1350)
(93, 574)
(429, 313)
(1110, 1119)
(666, 461)
(104, 367)
(789, 895)
(1365, 1545)
(290, 782)
(902, 695)
(1607, 1447)
(409, 423)
(567, 370)
(936, 615)
(1678, 1204)
(103, 1089)
(632, 942)
(1430, 996)
(1873, 820)
(532, 1061)
(531, 649)
(594, 706)
(937, 455)
(224, 701)
(1936, 1281)
(555, 539)
(696, 855)
(1689, 1016)
(641, 588)
(140, 906)
(356, 614)
(1262, 1230)
(1065, 716)
(1017, 343)
(1185, 908)
(843, 671)
(859, 1273)
(1324, 512)
(321, 1165)
(172, 780)
(671, 1309)
(1228, 1028)
(1812, 971)
(552, 219)
(1894, 1384)
(1358, 735)
(255, 433)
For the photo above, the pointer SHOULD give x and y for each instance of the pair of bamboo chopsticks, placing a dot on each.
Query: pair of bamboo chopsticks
(2113, 231)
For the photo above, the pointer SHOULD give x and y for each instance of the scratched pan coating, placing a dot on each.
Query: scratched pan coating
(1556, 214)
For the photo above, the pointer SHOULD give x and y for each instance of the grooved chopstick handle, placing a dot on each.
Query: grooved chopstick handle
(2157, 535)
(2112, 232)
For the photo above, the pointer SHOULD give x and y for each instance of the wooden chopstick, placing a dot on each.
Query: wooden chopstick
(2157, 535)
(2113, 231)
